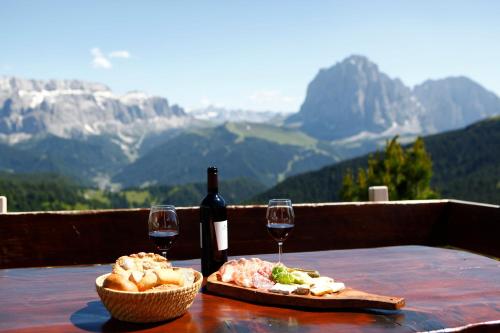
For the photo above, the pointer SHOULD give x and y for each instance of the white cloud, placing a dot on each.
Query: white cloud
(119, 54)
(100, 60)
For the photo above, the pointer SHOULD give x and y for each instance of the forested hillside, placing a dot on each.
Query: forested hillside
(466, 166)
(27, 192)
(40, 192)
(467, 162)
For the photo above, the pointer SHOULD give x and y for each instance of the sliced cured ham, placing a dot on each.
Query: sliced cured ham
(261, 282)
(227, 271)
(249, 273)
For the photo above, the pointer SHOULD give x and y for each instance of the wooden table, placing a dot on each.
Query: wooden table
(443, 289)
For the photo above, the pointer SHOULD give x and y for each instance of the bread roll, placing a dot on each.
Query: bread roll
(129, 264)
(187, 273)
(148, 281)
(136, 276)
(140, 262)
(144, 271)
(169, 276)
(117, 282)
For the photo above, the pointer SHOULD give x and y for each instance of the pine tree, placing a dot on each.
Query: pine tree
(406, 173)
(418, 171)
(349, 190)
(362, 183)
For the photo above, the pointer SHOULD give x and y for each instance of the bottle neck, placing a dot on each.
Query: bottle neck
(212, 183)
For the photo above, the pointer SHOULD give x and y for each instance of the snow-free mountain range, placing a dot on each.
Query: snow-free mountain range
(86, 131)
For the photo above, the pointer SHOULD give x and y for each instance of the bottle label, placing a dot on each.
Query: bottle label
(221, 234)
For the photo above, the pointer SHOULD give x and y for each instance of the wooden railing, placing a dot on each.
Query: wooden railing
(85, 237)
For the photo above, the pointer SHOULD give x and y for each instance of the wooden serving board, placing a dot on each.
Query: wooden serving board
(347, 298)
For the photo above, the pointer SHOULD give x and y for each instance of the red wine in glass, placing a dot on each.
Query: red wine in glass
(163, 226)
(279, 231)
(280, 221)
(163, 239)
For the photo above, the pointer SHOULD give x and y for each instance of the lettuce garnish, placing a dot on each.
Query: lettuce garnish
(281, 274)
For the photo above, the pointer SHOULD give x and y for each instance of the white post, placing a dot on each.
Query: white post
(3, 205)
(378, 193)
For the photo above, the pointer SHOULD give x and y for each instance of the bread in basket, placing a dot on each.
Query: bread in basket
(160, 303)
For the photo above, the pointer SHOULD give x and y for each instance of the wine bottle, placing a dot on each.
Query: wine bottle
(213, 226)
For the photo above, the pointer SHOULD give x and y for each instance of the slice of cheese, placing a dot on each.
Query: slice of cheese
(284, 289)
(320, 289)
(337, 286)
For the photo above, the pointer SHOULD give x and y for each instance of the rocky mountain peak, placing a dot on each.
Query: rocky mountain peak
(456, 101)
(353, 96)
(360, 62)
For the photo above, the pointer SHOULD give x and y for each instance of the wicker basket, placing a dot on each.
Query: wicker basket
(148, 306)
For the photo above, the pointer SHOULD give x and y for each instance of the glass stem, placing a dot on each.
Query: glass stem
(280, 244)
(164, 253)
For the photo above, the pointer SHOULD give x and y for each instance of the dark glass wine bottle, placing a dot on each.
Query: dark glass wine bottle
(213, 226)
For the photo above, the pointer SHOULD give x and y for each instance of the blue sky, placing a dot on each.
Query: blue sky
(245, 54)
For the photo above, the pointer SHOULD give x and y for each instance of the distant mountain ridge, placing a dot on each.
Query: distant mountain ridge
(219, 115)
(354, 99)
(74, 109)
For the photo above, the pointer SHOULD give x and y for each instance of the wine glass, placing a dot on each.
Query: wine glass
(163, 227)
(280, 221)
